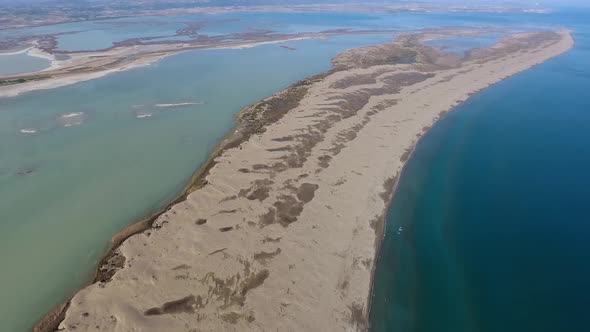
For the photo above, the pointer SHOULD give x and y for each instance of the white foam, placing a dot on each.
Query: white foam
(180, 104)
(28, 131)
(71, 115)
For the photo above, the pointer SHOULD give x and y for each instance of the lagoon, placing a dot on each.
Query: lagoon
(21, 63)
(88, 164)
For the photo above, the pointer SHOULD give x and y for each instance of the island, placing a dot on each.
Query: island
(281, 228)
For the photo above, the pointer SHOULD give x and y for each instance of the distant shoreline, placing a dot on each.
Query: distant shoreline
(84, 66)
(362, 7)
(81, 66)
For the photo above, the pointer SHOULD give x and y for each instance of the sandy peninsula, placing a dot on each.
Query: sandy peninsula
(279, 231)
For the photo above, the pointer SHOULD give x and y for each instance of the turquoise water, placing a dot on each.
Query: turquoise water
(21, 63)
(89, 181)
(494, 209)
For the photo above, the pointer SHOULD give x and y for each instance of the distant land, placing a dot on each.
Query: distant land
(23, 14)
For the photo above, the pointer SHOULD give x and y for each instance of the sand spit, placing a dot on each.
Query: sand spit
(280, 228)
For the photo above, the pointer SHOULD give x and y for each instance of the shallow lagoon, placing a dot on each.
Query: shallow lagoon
(21, 63)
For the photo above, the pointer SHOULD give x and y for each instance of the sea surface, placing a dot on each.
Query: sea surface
(489, 229)
(79, 163)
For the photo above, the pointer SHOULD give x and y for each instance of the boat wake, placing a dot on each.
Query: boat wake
(180, 104)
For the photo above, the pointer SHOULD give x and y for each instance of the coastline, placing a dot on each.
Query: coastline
(65, 79)
(83, 66)
(302, 8)
(17, 51)
(410, 155)
(88, 65)
(241, 132)
(250, 122)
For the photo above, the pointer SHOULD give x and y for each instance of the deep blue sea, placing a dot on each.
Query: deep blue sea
(494, 209)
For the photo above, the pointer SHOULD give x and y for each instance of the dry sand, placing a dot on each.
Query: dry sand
(281, 229)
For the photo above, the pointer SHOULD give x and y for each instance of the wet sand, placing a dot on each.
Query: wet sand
(279, 230)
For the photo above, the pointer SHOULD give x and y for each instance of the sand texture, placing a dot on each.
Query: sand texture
(280, 231)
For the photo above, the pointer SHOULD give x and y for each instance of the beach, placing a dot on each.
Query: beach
(281, 228)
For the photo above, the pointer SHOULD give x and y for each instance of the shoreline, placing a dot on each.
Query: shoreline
(400, 174)
(17, 51)
(393, 190)
(198, 181)
(82, 66)
(239, 133)
(65, 72)
(366, 7)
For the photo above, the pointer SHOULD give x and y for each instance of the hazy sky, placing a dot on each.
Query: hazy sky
(470, 2)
